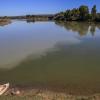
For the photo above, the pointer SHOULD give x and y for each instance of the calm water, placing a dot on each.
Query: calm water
(53, 53)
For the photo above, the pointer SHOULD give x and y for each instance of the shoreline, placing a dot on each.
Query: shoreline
(37, 93)
(70, 90)
(4, 22)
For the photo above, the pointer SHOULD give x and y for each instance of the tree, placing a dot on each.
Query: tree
(89, 17)
(59, 16)
(75, 14)
(98, 17)
(93, 12)
(84, 11)
(79, 14)
(28, 16)
(68, 14)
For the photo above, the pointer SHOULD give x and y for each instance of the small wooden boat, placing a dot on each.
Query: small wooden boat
(3, 88)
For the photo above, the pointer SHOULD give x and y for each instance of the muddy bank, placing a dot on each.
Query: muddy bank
(4, 22)
(44, 94)
(68, 89)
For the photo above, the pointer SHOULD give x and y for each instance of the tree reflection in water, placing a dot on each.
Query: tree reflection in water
(81, 27)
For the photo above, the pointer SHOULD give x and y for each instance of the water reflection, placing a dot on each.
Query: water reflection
(48, 54)
(21, 39)
(83, 28)
(73, 64)
(30, 21)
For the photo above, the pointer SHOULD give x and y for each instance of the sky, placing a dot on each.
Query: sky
(23, 7)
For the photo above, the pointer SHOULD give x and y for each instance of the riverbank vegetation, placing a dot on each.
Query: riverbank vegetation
(5, 21)
(76, 14)
(79, 14)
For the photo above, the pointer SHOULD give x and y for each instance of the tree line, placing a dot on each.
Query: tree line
(79, 14)
(76, 14)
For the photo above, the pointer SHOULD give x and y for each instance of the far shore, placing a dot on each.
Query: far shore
(4, 22)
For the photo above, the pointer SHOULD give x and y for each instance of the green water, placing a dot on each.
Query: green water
(50, 53)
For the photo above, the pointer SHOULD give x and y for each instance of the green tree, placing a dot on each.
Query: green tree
(28, 16)
(89, 17)
(98, 17)
(68, 14)
(84, 11)
(75, 14)
(59, 16)
(93, 12)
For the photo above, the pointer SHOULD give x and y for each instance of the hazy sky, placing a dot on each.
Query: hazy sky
(22, 7)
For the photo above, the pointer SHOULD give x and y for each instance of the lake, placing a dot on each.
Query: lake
(54, 54)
